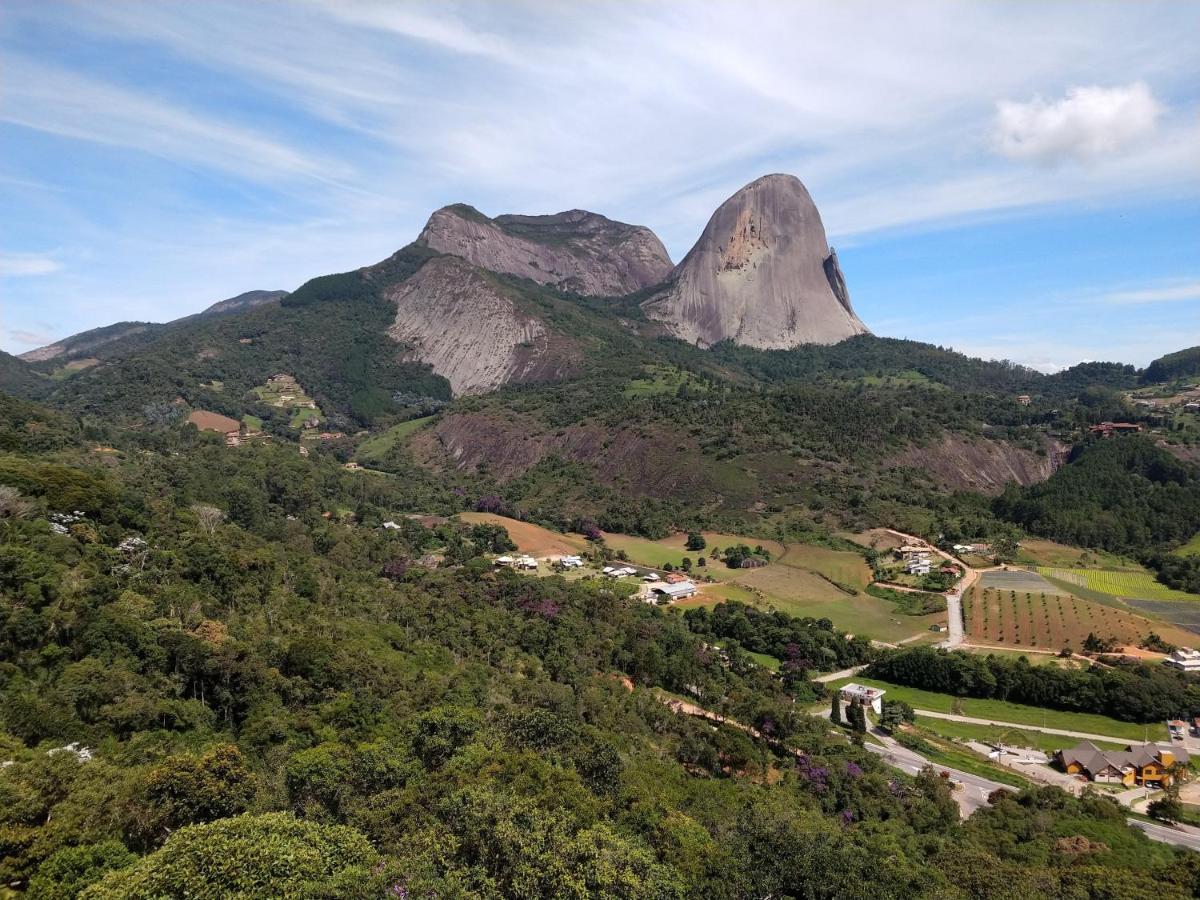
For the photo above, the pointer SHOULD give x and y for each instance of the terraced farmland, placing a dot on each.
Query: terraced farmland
(1134, 585)
(1053, 621)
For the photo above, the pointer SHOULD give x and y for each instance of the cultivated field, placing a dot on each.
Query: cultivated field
(532, 539)
(1052, 621)
(1184, 615)
(1018, 580)
(1139, 585)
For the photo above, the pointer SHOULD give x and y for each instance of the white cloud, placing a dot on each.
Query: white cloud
(1087, 123)
(1167, 293)
(24, 264)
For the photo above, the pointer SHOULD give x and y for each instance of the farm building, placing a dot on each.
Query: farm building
(571, 562)
(674, 578)
(1185, 659)
(1136, 764)
(211, 421)
(1024, 399)
(1108, 429)
(679, 590)
(918, 566)
(867, 696)
(752, 562)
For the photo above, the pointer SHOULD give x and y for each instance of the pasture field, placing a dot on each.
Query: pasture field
(1037, 552)
(877, 538)
(671, 549)
(1016, 713)
(377, 446)
(1052, 621)
(1139, 585)
(843, 566)
(800, 593)
(529, 538)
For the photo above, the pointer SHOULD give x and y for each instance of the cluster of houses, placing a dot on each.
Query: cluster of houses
(916, 559)
(1183, 658)
(1108, 429)
(1137, 764)
(521, 563)
(618, 571)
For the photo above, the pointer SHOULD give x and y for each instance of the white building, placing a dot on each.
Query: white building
(918, 567)
(571, 562)
(1185, 659)
(681, 590)
(525, 562)
(391, 526)
(868, 696)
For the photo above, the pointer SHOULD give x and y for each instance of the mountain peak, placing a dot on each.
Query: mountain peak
(575, 250)
(762, 274)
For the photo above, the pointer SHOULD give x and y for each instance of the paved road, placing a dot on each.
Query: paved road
(1179, 835)
(954, 612)
(845, 673)
(972, 720)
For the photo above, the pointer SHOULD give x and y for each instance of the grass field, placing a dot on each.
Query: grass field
(1052, 621)
(1137, 585)
(254, 423)
(877, 538)
(671, 549)
(1191, 548)
(842, 566)
(1010, 736)
(377, 446)
(529, 538)
(1038, 552)
(1017, 713)
(764, 660)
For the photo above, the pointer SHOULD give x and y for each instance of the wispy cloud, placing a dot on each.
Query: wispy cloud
(55, 100)
(1165, 293)
(26, 264)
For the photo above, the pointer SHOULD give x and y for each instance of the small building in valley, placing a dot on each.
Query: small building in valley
(867, 696)
(918, 566)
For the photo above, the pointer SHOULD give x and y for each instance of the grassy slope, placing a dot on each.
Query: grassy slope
(1017, 713)
(377, 446)
(1025, 736)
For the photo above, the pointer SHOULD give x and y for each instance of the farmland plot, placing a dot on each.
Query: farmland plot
(1136, 585)
(1052, 621)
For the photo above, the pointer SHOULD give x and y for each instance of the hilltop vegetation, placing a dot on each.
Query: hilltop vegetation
(277, 695)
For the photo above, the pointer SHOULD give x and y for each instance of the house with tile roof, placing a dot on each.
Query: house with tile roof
(1136, 764)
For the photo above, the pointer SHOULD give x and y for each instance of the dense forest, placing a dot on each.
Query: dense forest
(1124, 494)
(220, 677)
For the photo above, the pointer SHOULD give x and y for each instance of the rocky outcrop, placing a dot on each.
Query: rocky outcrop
(87, 342)
(454, 317)
(762, 274)
(248, 300)
(981, 464)
(574, 251)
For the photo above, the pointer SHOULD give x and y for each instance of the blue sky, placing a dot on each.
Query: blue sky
(1013, 180)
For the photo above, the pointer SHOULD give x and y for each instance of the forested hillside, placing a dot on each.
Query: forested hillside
(221, 677)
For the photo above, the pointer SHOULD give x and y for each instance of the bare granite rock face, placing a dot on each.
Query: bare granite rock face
(459, 321)
(576, 250)
(762, 274)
